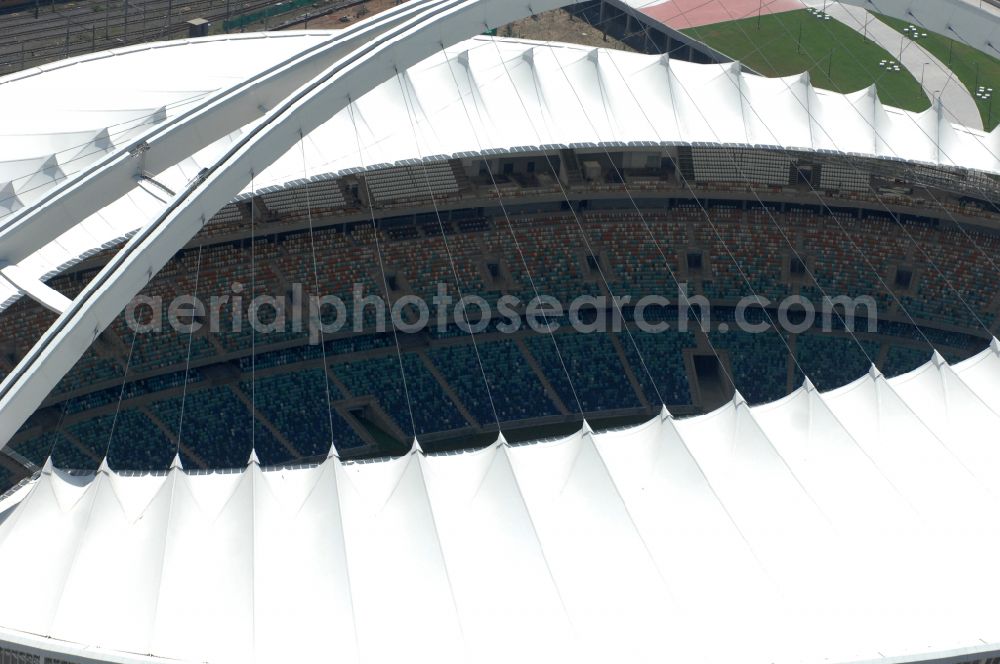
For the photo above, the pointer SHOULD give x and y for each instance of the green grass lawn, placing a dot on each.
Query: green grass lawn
(968, 64)
(836, 57)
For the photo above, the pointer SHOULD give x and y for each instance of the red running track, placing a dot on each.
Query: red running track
(683, 14)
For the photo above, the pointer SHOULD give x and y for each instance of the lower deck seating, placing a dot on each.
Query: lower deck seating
(381, 378)
(298, 404)
(658, 362)
(217, 426)
(903, 359)
(584, 367)
(831, 361)
(516, 391)
(759, 363)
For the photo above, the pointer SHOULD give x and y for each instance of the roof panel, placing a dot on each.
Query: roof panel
(789, 528)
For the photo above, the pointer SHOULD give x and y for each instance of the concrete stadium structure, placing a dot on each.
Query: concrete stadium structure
(847, 525)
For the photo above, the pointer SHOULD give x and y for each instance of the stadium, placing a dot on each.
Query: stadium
(425, 339)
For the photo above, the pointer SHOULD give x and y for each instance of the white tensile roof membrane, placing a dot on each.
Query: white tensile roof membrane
(853, 525)
(482, 94)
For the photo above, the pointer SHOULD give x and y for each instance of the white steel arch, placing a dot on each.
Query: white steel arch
(438, 25)
(168, 143)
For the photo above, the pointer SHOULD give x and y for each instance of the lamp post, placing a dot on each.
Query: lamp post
(922, 68)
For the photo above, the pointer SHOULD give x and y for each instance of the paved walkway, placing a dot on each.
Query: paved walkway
(984, 4)
(935, 77)
(685, 14)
